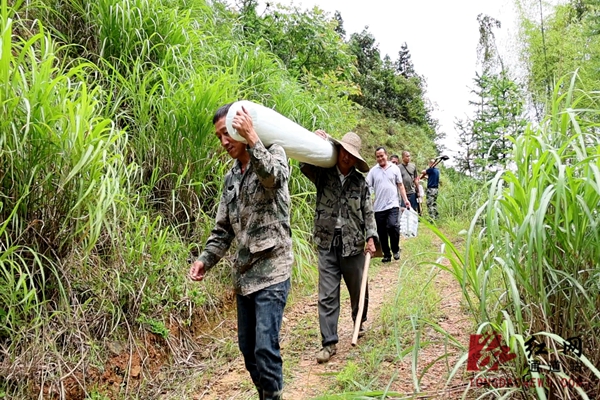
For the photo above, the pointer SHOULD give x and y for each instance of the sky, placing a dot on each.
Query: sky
(442, 37)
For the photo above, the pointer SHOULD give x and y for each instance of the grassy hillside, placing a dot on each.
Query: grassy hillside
(376, 130)
(109, 178)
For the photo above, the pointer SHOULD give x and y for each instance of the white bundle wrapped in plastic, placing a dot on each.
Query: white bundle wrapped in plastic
(409, 223)
(271, 127)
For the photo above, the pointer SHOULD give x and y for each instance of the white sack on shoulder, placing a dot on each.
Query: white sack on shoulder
(271, 127)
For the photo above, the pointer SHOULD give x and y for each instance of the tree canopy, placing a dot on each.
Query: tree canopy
(313, 47)
(498, 107)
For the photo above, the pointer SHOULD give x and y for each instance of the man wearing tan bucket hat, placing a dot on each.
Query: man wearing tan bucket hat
(344, 231)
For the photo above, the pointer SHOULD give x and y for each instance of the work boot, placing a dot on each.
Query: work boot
(325, 354)
(397, 255)
(386, 259)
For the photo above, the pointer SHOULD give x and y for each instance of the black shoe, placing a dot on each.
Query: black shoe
(397, 255)
(386, 259)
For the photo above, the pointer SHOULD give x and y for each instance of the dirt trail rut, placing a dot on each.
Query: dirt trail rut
(307, 376)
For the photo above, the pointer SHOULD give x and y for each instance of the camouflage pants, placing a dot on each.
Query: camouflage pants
(432, 202)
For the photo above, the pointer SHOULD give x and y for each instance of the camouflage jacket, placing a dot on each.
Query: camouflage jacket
(255, 210)
(352, 201)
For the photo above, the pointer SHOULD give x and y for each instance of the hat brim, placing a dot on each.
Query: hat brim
(361, 164)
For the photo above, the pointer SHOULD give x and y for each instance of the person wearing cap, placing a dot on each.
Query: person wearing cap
(255, 211)
(344, 230)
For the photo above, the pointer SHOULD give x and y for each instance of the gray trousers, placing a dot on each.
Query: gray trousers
(332, 267)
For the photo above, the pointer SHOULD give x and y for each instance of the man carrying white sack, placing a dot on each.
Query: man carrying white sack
(386, 181)
(254, 209)
(344, 225)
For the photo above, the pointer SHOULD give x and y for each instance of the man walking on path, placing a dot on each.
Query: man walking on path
(344, 224)
(410, 180)
(255, 210)
(385, 179)
(432, 174)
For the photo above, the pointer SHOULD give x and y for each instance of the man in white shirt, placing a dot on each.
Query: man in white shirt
(385, 180)
(395, 159)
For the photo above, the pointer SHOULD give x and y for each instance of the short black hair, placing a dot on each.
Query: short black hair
(221, 112)
(380, 148)
(395, 156)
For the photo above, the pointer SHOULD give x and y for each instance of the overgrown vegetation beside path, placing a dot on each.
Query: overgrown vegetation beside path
(110, 175)
(531, 273)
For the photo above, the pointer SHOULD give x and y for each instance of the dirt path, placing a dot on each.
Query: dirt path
(457, 323)
(300, 341)
(307, 377)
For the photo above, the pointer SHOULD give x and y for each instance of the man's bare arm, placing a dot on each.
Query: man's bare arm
(403, 194)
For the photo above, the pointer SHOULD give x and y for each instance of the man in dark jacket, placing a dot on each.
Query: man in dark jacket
(344, 225)
(255, 210)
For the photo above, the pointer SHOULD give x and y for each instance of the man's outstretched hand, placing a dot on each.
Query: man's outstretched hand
(197, 271)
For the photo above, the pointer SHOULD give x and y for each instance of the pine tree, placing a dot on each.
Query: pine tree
(340, 24)
(466, 140)
(499, 107)
(404, 65)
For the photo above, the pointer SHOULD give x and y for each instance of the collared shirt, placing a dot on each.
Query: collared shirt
(384, 182)
(255, 210)
(349, 201)
(341, 176)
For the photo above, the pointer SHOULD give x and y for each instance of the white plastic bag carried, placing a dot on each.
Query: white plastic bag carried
(421, 194)
(271, 127)
(409, 223)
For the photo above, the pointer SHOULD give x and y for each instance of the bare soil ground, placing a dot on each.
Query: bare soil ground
(300, 341)
(457, 323)
(308, 378)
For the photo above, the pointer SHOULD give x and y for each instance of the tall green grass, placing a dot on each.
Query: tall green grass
(110, 174)
(459, 196)
(61, 165)
(533, 269)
